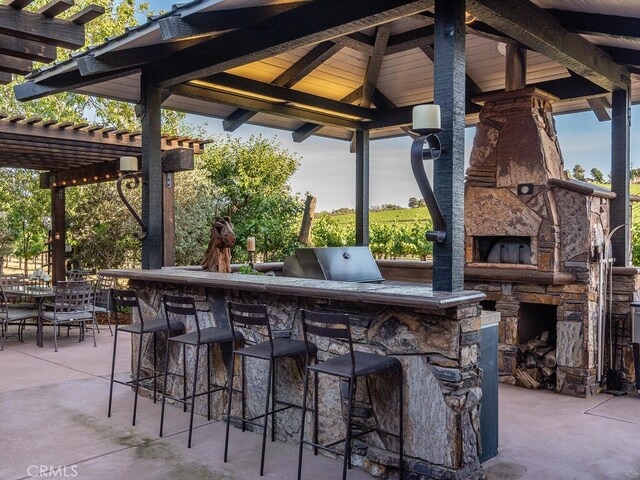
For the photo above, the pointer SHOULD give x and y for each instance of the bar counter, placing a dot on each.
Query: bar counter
(435, 335)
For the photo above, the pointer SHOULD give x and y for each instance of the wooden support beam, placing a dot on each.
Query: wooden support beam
(308, 129)
(55, 7)
(5, 78)
(308, 24)
(275, 108)
(83, 174)
(85, 15)
(168, 220)
(515, 68)
(152, 181)
(620, 176)
(362, 187)
(292, 75)
(623, 55)
(36, 27)
(15, 65)
(598, 24)
(540, 31)
(211, 22)
(58, 233)
(410, 39)
(601, 107)
(449, 88)
(27, 49)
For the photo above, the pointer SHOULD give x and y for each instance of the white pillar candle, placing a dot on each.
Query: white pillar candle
(128, 164)
(426, 116)
(251, 244)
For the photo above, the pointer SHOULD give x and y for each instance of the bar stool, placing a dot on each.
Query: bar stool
(349, 367)
(270, 350)
(176, 306)
(129, 299)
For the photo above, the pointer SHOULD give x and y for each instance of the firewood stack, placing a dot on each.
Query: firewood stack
(537, 363)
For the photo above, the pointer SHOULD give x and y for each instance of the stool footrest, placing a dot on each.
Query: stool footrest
(187, 399)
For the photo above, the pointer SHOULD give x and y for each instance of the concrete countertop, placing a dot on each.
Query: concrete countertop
(416, 296)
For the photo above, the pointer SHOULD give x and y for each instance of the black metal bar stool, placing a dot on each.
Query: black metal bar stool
(176, 306)
(270, 350)
(348, 367)
(128, 299)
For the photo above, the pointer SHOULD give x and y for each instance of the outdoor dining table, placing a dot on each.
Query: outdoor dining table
(39, 293)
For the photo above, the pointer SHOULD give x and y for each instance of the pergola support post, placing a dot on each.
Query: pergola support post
(169, 219)
(152, 177)
(620, 176)
(449, 79)
(58, 234)
(362, 187)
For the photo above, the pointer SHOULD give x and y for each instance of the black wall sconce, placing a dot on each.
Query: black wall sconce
(130, 177)
(426, 124)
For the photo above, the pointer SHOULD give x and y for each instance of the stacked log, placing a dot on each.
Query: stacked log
(536, 367)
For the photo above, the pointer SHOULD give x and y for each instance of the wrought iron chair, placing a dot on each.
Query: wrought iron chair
(175, 306)
(348, 367)
(78, 274)
(123, 300)
(102, 297)
(10, 315)
(73, 305)
(270, 350)
(13, 280)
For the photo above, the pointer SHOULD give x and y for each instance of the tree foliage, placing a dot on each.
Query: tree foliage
(252, 177)
(578, 172)
(597, 175)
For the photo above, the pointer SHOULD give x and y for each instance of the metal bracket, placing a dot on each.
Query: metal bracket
(418, 155)
(132, 181)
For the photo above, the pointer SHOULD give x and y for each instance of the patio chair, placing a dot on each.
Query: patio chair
(270, 350)
(348, 368)
(102, 298)
(73, 305)
(78, 274)
(14, 280)
(13, 315)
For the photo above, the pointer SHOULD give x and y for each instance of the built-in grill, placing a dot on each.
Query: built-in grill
(345, 264)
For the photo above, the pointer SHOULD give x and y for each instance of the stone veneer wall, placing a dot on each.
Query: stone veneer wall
(439, 351)
(626, 289)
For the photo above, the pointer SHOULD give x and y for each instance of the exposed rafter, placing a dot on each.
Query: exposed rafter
(310, 23)
(601, 108)
(598, 24)
(540, 31)
(292, 75)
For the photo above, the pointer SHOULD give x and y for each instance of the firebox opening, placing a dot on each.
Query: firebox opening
(536, 358)
(535, 319)
(500, 249)
(488, 305)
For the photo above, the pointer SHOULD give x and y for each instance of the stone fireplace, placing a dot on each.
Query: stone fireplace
(531, 239)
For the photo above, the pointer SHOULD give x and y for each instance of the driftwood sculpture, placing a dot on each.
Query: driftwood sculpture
(218, 255)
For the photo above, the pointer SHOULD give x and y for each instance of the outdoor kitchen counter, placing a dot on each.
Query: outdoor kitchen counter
(435, 335)
(418, 296)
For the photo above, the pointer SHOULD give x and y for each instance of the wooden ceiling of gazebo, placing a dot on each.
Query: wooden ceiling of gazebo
(306, 67)
(34, 36)
(74, 153)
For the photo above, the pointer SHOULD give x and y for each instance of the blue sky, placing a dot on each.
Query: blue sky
(327, 168)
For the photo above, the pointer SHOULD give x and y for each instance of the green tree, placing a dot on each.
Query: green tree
(252, 178)
(578, 172)
(597, 175)
(416, 202)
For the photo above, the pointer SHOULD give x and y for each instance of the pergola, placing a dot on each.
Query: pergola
(353, 70)
(70, 154)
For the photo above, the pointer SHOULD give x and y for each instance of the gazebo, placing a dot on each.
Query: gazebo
(354, 70)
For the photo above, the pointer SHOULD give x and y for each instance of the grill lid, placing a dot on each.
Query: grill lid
(345, 264)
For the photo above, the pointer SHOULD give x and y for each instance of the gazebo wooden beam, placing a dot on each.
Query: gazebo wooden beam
(542, 32)
(623, 55)
(598, 24)
(39, 28)
(27, 49)
(310, 23)
(209, 23)
(257, 105)
(292, 75)
(5, 78)
(15, 65)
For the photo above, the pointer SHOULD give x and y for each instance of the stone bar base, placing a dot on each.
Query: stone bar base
(438, 348)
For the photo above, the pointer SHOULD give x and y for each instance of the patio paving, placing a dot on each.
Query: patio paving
(53, 414)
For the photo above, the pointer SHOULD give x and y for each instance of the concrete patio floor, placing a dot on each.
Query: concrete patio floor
(53, 414)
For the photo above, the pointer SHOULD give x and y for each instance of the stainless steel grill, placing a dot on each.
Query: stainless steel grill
(345, 264)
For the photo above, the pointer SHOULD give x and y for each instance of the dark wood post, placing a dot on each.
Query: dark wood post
(449, 73)
(58, 233)
(362, 187)
(152, 184)
(620, 166)
(515, 68)
(169, 220)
